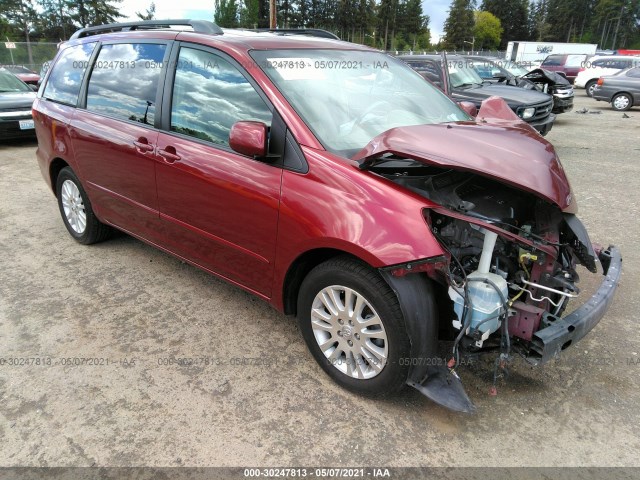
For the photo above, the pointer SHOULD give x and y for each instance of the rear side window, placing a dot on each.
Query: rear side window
(554, 60)
(429, 70)
(124, 81)
(634, 72)
(575, 60)
(210, 95)
(66, 77)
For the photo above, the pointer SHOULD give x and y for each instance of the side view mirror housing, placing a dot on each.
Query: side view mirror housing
(249, 138)
(470, 108)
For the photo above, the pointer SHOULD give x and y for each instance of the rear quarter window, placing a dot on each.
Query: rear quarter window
(65, 80)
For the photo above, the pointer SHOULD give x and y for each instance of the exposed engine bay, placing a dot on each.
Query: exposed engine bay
(542, 80)
(513, 256)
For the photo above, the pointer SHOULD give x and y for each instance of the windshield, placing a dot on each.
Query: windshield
(515, 69)
(463, 74)
(9, 83)
(348, 97)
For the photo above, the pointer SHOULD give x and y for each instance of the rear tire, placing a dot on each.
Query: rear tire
(590, 86)
(353, 325)
(75, 209)
(622, 102)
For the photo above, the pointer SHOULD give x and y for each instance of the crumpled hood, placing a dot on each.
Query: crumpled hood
(502, 150)
(546, 76)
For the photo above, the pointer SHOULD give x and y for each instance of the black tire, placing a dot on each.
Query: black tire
(589, 86)
(94, 231)
(619, 97)
(366, 282)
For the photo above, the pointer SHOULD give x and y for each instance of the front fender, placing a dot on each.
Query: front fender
(428, 373)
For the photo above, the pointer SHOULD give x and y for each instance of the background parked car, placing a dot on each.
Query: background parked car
(543, 81)
(622, 89)
(23, 73)
(16, 98)
(566, 65)
(602, 66)
(532, 106)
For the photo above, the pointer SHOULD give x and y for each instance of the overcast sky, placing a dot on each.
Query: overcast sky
(203, 10)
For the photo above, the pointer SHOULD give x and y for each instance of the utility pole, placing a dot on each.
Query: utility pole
(272, 14)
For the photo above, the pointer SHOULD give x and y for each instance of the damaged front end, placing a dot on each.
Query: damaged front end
(511, 243)
(552, 83)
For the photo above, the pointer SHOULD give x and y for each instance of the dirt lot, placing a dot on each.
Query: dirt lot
(132, 308)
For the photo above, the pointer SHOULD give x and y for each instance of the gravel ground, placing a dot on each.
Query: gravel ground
(131, 307)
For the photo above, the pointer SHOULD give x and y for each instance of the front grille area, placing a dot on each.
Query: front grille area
(563, 91)
(543, 110)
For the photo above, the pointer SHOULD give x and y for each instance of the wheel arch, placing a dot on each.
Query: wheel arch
(55, 167)
(299, 269)
(624, 92)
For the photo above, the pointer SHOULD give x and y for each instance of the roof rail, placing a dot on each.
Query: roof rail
(311, 32)
(200, 26)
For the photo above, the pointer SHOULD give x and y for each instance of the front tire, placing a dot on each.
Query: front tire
(76, 211)
(622, 102)
(590, 87)
(352, 323)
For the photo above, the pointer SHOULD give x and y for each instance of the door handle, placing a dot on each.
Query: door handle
(169, 154)
(143, 145)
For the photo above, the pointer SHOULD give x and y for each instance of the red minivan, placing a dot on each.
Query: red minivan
(333, 182)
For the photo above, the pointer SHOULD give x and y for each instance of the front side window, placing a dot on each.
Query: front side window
(124, 81)
(210, 95)
(65, 80)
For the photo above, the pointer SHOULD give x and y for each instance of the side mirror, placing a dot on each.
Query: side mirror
(500, 77)
(469, 107)
(249, 138)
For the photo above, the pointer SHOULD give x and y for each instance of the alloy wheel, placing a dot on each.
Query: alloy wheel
(349, 332)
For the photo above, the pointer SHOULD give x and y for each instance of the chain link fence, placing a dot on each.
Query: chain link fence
(40, 52)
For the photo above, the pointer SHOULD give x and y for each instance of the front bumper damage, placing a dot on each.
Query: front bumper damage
(432, 377)
(564, 332)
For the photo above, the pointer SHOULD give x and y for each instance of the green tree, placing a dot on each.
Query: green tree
(487, 30)
(513, 16)
(93, 12)
(616, 23)
(22, 15)
(149, 14)
(249, 14)
(458, 27)
(54, 21)
(226, 13)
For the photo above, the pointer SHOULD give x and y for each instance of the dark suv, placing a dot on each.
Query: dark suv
(331, 181)
(532, 106)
